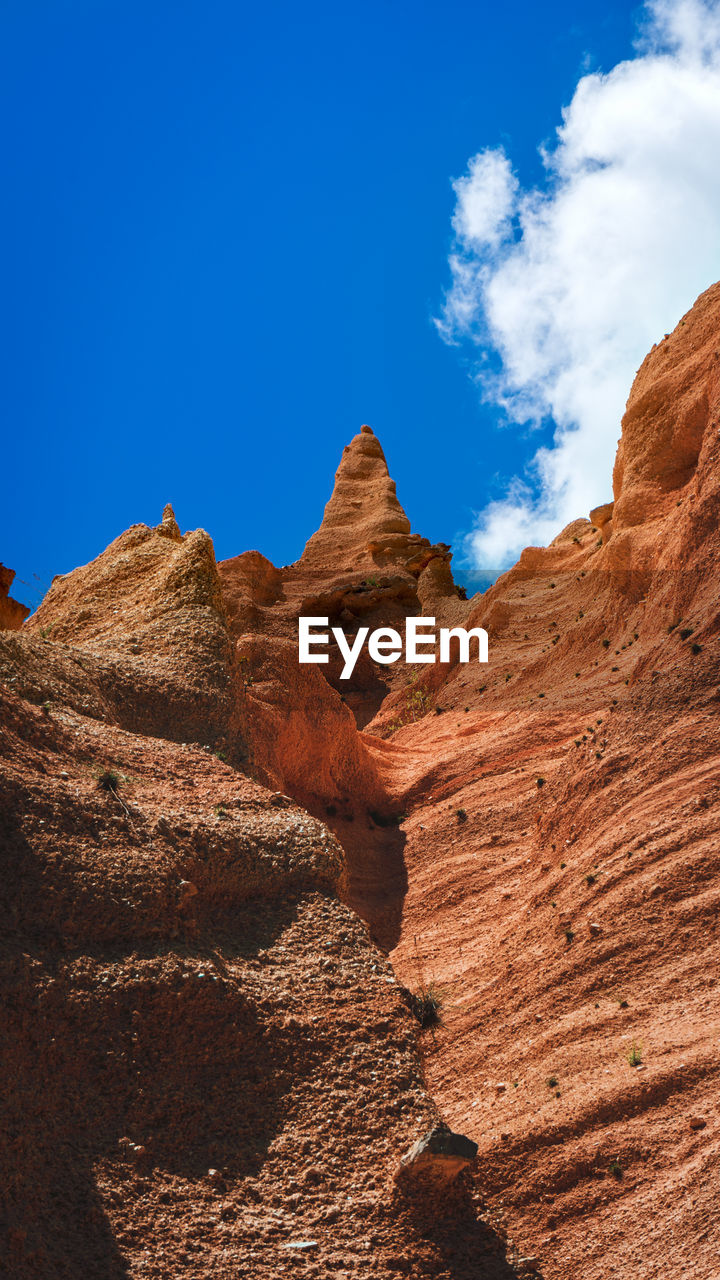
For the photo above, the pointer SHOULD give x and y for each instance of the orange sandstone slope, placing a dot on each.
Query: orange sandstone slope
(563, 856)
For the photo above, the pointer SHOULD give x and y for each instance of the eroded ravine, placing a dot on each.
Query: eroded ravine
(206, 1036)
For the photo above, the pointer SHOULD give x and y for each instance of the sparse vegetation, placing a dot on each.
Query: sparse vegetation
(540, 782)
(686, 632)
(461, 815)
(221, 755)
(552, 1082)
(696, 648)
(615, 1169)
(569, 936)
(109, 780)
(590, 878)
(425, 1005)
(635, 1054)
(606, 644)
(417, 701)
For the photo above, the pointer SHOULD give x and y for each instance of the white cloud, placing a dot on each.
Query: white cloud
(570, 284)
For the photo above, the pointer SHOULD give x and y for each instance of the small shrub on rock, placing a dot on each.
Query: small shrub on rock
(425, 1005)
(109, 780)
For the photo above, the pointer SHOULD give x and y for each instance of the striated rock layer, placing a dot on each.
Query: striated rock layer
(563, 856)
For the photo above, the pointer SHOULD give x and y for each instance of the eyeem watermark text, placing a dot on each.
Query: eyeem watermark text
(386, 645)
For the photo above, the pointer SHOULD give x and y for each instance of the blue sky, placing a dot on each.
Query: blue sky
(226, 231)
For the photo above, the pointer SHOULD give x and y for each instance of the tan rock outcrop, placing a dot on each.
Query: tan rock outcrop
(363, 510)
(151, 607)
(363, 559)
(249, 582)
(674, 400)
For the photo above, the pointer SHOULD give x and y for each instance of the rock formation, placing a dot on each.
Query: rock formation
(363, 566)
(12, 614)
(212, 857)
(433, 1163)
(150, 610)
